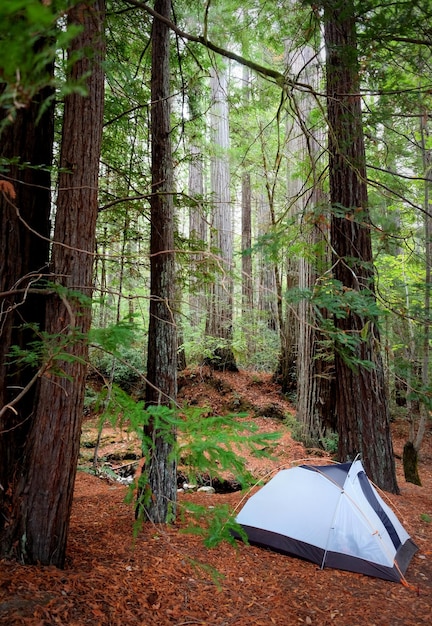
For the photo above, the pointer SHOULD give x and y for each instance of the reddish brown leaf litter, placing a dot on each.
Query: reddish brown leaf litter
(166, 577)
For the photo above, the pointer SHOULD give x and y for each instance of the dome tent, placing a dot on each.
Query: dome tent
(330, 515)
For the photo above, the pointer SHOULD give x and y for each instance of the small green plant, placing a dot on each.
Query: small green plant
(213, 525)
(426, 518)
(262, 352)
(208, 571)
(91, 397)
(295, 427)
(330, 442)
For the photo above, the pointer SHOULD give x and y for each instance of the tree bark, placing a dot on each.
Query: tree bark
(24, 233)
(410, 464)
(39, 519)
(197, 222)
(157, 495)
(246, 222)
(220, 317)
(361, 395)
(427, 167)
(305, 140)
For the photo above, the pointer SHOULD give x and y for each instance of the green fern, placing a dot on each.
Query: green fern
(213, 525)
(210, 444)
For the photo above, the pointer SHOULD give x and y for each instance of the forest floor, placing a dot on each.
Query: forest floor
(166, 577)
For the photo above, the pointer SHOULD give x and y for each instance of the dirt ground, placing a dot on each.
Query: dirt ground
(166, 577)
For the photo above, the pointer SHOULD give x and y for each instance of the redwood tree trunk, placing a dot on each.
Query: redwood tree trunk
(361, 394)
(23, 263)
(314, 368)
(246, 223)
(160, 468)
(220, 315)
(42, 497)
(197, 221)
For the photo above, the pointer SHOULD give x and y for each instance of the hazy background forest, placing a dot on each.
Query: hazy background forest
(235, 185)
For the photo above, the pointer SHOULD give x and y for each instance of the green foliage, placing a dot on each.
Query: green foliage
(262, 353)
(118, 355)
(205, 445)
(116, 406)
(330, 443)
(113, 337)
(200, 346)
(46, 352)
(211, 445)
(213, 525)
(295, 427)
(425, 518)
(331, 301)
(143, 501)
(91, 397)
(163, 420)
(31, 34)
(331, 295)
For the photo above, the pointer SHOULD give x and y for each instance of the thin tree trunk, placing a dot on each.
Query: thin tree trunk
(247, 279)
(284, 320)
(361, 395)
(269, 287)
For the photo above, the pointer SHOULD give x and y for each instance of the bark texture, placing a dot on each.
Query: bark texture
(220, 315)
(160, 468)
(410, 464)
(307, 199)
(246, 222)
(24, 231)
(44, 487)
(197, 222)
(361, 394)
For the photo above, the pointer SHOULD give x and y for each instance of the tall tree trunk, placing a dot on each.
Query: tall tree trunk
(246, 243)
(305, 141)
(412, 447)
(24, 231)
(361, 395)
(246, 222)
(158, 489)
(427, 165)
(42, 498)
(220, 319)
(269, 287)
(197, 222)
(283, 319)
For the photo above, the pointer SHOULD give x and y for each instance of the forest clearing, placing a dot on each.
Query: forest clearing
(168, 578)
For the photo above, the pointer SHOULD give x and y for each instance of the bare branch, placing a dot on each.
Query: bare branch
(12, 403)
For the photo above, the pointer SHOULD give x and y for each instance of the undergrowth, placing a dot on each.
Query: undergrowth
(202, 444)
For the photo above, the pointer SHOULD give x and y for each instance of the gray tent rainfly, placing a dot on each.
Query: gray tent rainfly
(330, 515)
